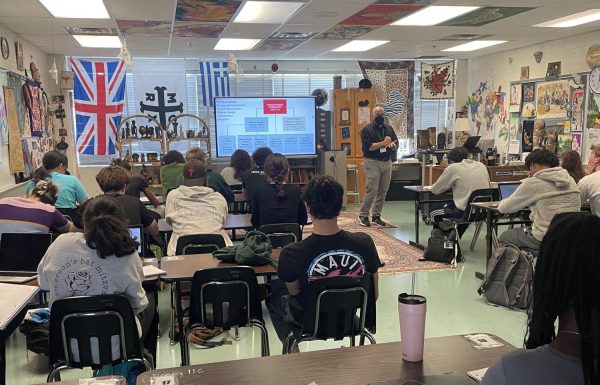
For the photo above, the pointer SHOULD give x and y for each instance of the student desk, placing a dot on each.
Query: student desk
(182, 268)
(423, 195)
(120, 381)
(493, 220)
(359, 365)
(233, 222)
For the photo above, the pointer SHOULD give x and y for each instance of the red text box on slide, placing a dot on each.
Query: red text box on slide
(275, 106)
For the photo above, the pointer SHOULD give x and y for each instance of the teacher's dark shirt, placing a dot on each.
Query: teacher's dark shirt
(372, 133)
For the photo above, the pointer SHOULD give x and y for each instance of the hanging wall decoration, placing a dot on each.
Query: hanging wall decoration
(3, 119)
(552, 99)
(19, 55)
(15, 149)
(577, 108)
(437, 81)
(525, 73)
(515, 98)
(528, 92)
(4, 47)
(593, 110)
(576, 141)
(393, 86)
(553, 71)
(486, 109)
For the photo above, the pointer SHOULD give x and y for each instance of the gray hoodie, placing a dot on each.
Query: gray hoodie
(195, 210)
(548, 192)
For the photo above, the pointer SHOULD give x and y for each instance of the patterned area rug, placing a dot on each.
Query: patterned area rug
(399, 257)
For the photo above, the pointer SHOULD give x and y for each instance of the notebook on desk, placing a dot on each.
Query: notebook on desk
(20, 255)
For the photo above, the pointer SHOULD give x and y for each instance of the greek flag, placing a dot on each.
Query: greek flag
(215, 81)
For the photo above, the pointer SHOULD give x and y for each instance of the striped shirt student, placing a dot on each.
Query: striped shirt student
(34, 214)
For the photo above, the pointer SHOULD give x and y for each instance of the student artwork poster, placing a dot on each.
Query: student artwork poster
(286, 125)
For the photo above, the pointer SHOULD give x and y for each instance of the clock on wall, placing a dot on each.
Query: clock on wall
(4, 47)
(595, 80)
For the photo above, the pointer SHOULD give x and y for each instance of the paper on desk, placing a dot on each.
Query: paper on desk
(426, 187)
(152, 271)
(483, 341)
(478, 374)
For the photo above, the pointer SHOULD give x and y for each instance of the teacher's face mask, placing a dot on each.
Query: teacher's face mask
(379, 119)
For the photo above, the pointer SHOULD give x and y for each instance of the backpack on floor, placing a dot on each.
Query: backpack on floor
(442, 246)
(508, 279)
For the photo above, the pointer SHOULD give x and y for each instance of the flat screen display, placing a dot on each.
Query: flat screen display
(286, 125)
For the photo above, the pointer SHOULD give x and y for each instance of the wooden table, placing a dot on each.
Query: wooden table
(182, 268)
(422, 196)
(359, 365)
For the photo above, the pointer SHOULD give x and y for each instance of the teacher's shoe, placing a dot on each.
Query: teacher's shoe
(364, 221)
(378, 221)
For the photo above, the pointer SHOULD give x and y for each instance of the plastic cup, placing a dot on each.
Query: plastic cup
(411, 312)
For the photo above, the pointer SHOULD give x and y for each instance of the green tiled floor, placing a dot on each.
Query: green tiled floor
(453, 308)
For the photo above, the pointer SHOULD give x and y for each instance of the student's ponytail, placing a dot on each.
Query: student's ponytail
(45, 191)
(277, 169)
(104, 228)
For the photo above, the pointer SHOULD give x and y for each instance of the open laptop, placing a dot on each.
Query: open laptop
(138, 235)
(20, 255)
(471, 142)
(507, 189)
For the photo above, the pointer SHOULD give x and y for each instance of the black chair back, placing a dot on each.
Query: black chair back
(84, 329)
(333, 303)
(225, 297)
(199, 244)
(281, 234)
(476, 214)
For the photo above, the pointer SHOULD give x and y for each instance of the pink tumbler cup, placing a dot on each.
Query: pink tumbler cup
(411, 311)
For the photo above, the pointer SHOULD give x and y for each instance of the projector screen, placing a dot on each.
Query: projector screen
(286, 125)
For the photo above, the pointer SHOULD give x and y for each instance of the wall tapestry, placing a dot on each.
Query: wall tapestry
(437, 81)
(515, 98)
(487, 111)
(3, 123)
(393, 86)
(15, 150)
(552, 99)
(16, 83)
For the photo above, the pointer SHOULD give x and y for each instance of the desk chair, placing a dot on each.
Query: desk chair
(474, 214)
(280, 234)
(331, 312)
(193, 244)
(84, 332)
(225, 297)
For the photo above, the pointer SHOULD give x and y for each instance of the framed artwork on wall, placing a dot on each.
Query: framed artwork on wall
(19, 55)
(4, 47)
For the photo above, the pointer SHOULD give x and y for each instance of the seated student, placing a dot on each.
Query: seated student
(571, 161)
(239, 163)
(70, 190)
(311, 259)
(101, 260)
(34, 214)
(589, 188)
(172, 165)
(277, 202)
(137, 184)
(255, 178)
(566, 286)
(113, 181)
(462, 176)
(548, 190)
(594, 159)
(215, 180)
(195, 208)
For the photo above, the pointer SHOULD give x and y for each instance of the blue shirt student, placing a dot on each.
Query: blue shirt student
(70, 190)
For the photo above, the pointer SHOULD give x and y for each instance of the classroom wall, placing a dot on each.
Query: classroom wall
(40, 58)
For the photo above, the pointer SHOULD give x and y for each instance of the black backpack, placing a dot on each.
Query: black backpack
(443, 246)
(508, 278)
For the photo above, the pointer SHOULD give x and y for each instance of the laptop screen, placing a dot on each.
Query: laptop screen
(136, 233)
(23, 251)
(507, 189)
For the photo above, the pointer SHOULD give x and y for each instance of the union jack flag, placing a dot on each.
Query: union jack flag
(99, 92)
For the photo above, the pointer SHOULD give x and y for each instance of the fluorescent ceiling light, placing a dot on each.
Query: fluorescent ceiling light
(360, 45)
(434, 15)
(77, 9)
(98, 41)
(474, 45)
(573, 20)
(268, 12)
(227, 44)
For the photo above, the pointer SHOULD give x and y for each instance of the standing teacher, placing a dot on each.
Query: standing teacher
(379, 146)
